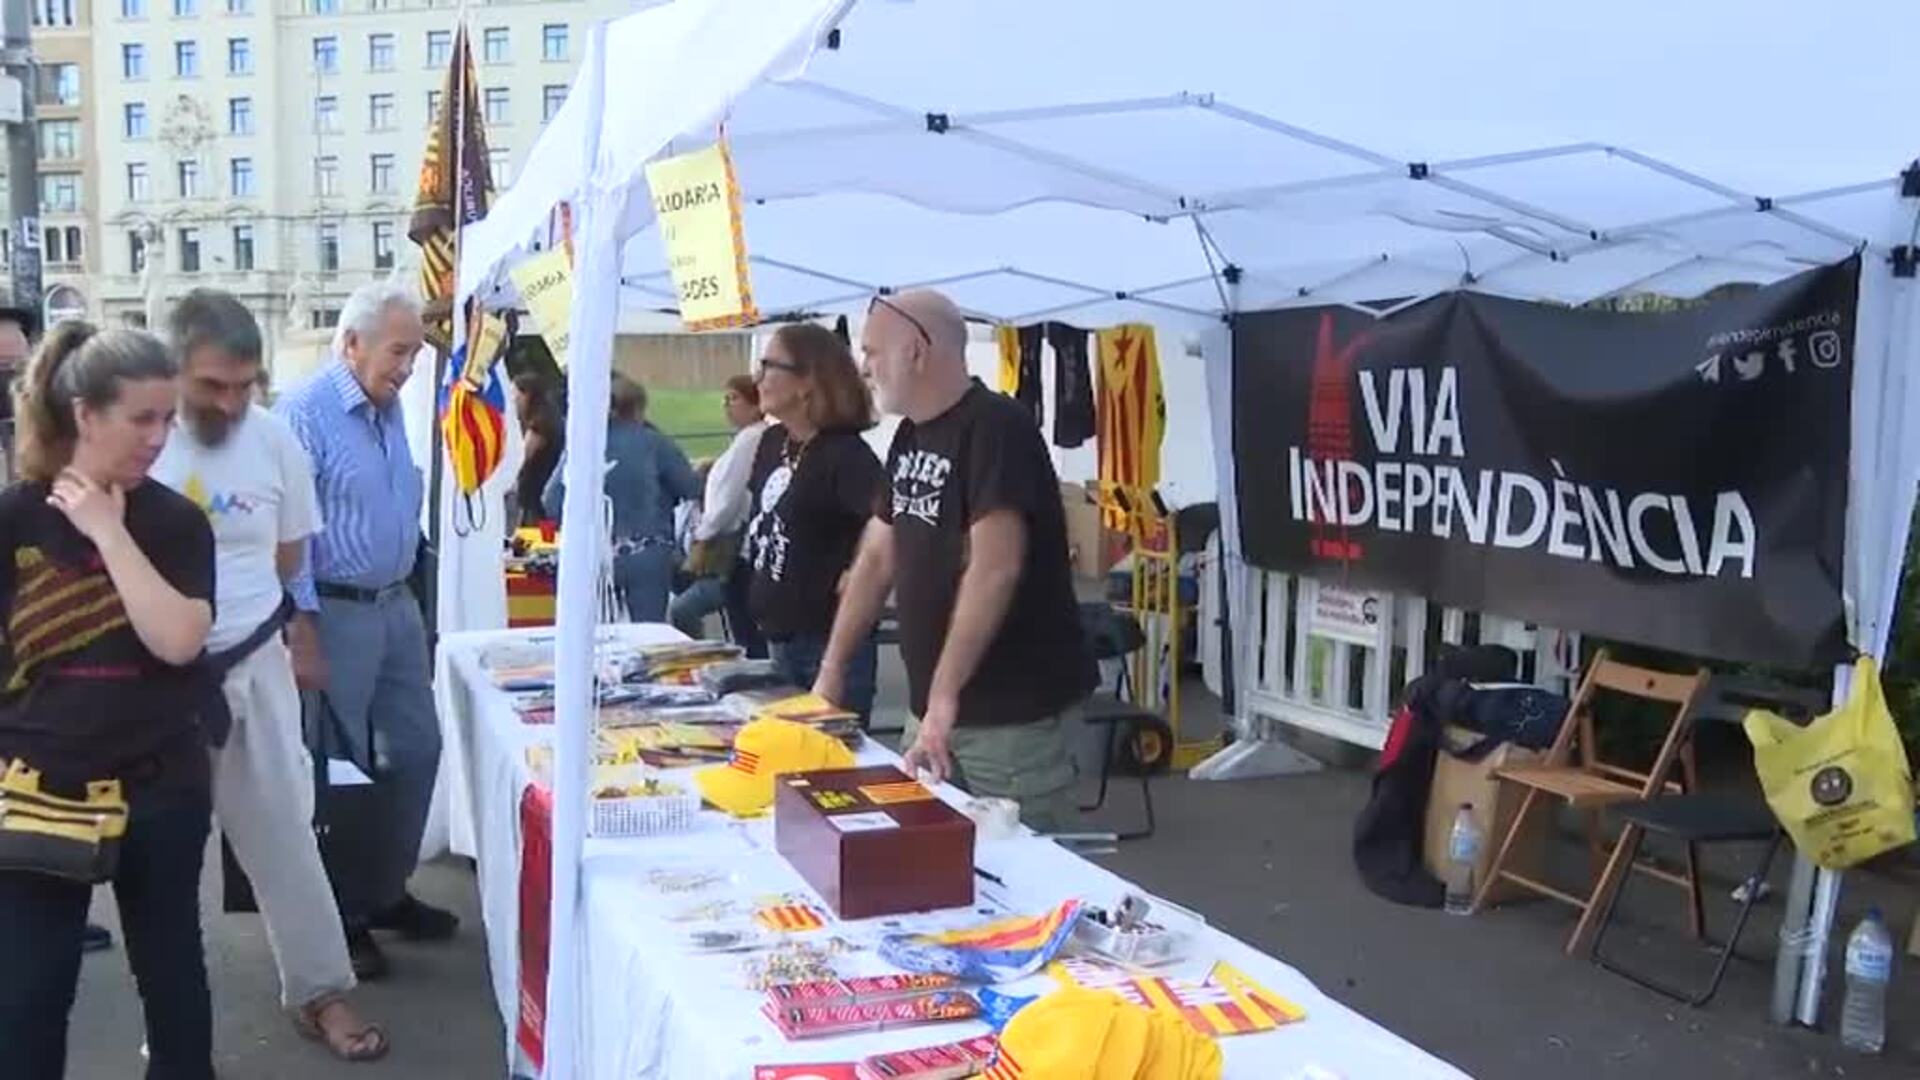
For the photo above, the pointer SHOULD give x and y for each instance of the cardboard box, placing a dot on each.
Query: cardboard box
(1086, 540)
(1494, 805)
(873, 841)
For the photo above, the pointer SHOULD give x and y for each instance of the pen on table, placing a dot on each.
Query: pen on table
(990, 877)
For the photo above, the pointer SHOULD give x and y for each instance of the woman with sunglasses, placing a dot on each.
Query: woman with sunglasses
(815, 483)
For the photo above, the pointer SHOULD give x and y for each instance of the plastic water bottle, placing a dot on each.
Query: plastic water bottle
(1863, 1019)
(1463, 856)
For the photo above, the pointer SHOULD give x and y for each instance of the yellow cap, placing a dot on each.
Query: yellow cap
(1079, 1034)
(763, 750)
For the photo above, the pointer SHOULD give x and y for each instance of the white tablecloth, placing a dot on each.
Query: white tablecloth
(658, 1013)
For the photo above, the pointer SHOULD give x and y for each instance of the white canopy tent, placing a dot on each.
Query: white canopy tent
(1126, 159)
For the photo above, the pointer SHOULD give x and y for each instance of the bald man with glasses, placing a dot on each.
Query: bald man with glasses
(971, 537)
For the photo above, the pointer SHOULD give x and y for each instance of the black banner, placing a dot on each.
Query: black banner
(1675, 479)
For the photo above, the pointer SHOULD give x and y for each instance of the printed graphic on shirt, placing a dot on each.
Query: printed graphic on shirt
(216, 504)
(768, 532)
(920, 485)
(57, 611)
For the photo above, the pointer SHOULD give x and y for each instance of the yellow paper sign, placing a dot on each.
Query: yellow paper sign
(697, 203)
(546, 287)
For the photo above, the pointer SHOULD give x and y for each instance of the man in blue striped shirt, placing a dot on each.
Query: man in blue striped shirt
(371, 661)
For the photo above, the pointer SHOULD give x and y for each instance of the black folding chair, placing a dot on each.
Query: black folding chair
(1115, 635)
(1704, 818)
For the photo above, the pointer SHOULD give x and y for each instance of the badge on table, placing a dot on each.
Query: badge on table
(696, 201)
(790, 918)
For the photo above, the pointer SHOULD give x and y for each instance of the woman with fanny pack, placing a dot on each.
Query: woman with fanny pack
(106, 586)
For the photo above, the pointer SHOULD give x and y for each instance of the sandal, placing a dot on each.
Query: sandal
(368, 1042)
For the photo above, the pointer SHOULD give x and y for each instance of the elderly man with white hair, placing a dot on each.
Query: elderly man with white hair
(373, 665)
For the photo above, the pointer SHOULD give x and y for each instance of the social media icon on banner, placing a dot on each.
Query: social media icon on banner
(1824, 345)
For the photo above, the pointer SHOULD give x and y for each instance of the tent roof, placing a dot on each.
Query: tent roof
(1040, 158)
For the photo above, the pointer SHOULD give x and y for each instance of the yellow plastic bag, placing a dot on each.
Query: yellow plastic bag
(1841, 785)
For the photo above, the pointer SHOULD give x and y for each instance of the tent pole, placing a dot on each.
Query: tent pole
(578, 602)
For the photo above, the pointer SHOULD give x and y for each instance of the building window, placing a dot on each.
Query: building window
(243, 247)
(60, 193)
(139, 185)
(324, 318)
(326, 175)
(493, 44)
(553, 41)
(380, 180)
(59, 140)
(190, 250)
(326, 55)
(329, 237)
(380, 112)
(439, 47)
(133, 61)
(499, 110)
(325, 7)
(326, 114)
(433, 106)
(189, 174)
(239, 7)
(500, 164)
(59, 84)
(136, 252)
(133, 9)
(186, 59)
(240, 177)
(383, 245)
(185, 9)
(551, 98)
(133, 120)
(240, 116)
(53, 13)
(380, 52)
(63, 245)
(239, 56)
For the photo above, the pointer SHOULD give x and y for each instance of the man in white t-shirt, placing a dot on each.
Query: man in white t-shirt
(244, 467)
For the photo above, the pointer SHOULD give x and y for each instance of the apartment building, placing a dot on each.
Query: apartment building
(69, 178)
(271, 147)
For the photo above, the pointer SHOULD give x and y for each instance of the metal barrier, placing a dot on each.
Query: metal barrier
(1323, 657)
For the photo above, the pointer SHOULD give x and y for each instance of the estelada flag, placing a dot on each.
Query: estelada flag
(473, 401)
(453, 192)
(1130, 421)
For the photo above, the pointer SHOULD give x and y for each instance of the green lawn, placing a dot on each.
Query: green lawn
(693, 417)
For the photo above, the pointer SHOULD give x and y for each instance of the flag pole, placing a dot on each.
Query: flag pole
(436, 475)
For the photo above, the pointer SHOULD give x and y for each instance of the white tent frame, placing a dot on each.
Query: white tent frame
(1541, 235)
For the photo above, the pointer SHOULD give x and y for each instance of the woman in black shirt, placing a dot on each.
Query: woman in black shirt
(106, 597)
(544, 433)
(815, 482)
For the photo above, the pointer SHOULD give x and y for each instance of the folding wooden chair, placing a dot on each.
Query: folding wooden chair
(1573, 773)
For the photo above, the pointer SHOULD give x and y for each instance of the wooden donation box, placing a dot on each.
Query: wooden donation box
(873, 841)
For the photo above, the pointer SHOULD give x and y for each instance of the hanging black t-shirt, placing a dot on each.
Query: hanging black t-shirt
(80, 697)
(811, 501)
(983, 455)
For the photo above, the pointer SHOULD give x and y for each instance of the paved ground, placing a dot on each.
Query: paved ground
(1264, 860)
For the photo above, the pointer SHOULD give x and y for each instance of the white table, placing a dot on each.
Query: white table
(658, 1013)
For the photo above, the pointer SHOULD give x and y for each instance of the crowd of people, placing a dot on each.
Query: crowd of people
(197, 594)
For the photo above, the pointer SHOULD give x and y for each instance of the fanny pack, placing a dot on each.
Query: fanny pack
(216, 717)
(75, 839)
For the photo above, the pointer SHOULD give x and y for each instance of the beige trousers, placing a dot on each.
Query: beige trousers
(263, 800)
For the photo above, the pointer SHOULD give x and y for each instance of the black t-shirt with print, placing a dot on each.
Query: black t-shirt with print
(980, 456)
(811, 501)
(80, 697)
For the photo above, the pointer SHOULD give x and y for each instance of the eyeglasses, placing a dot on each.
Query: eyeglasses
(881, 301)
(768, 363)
